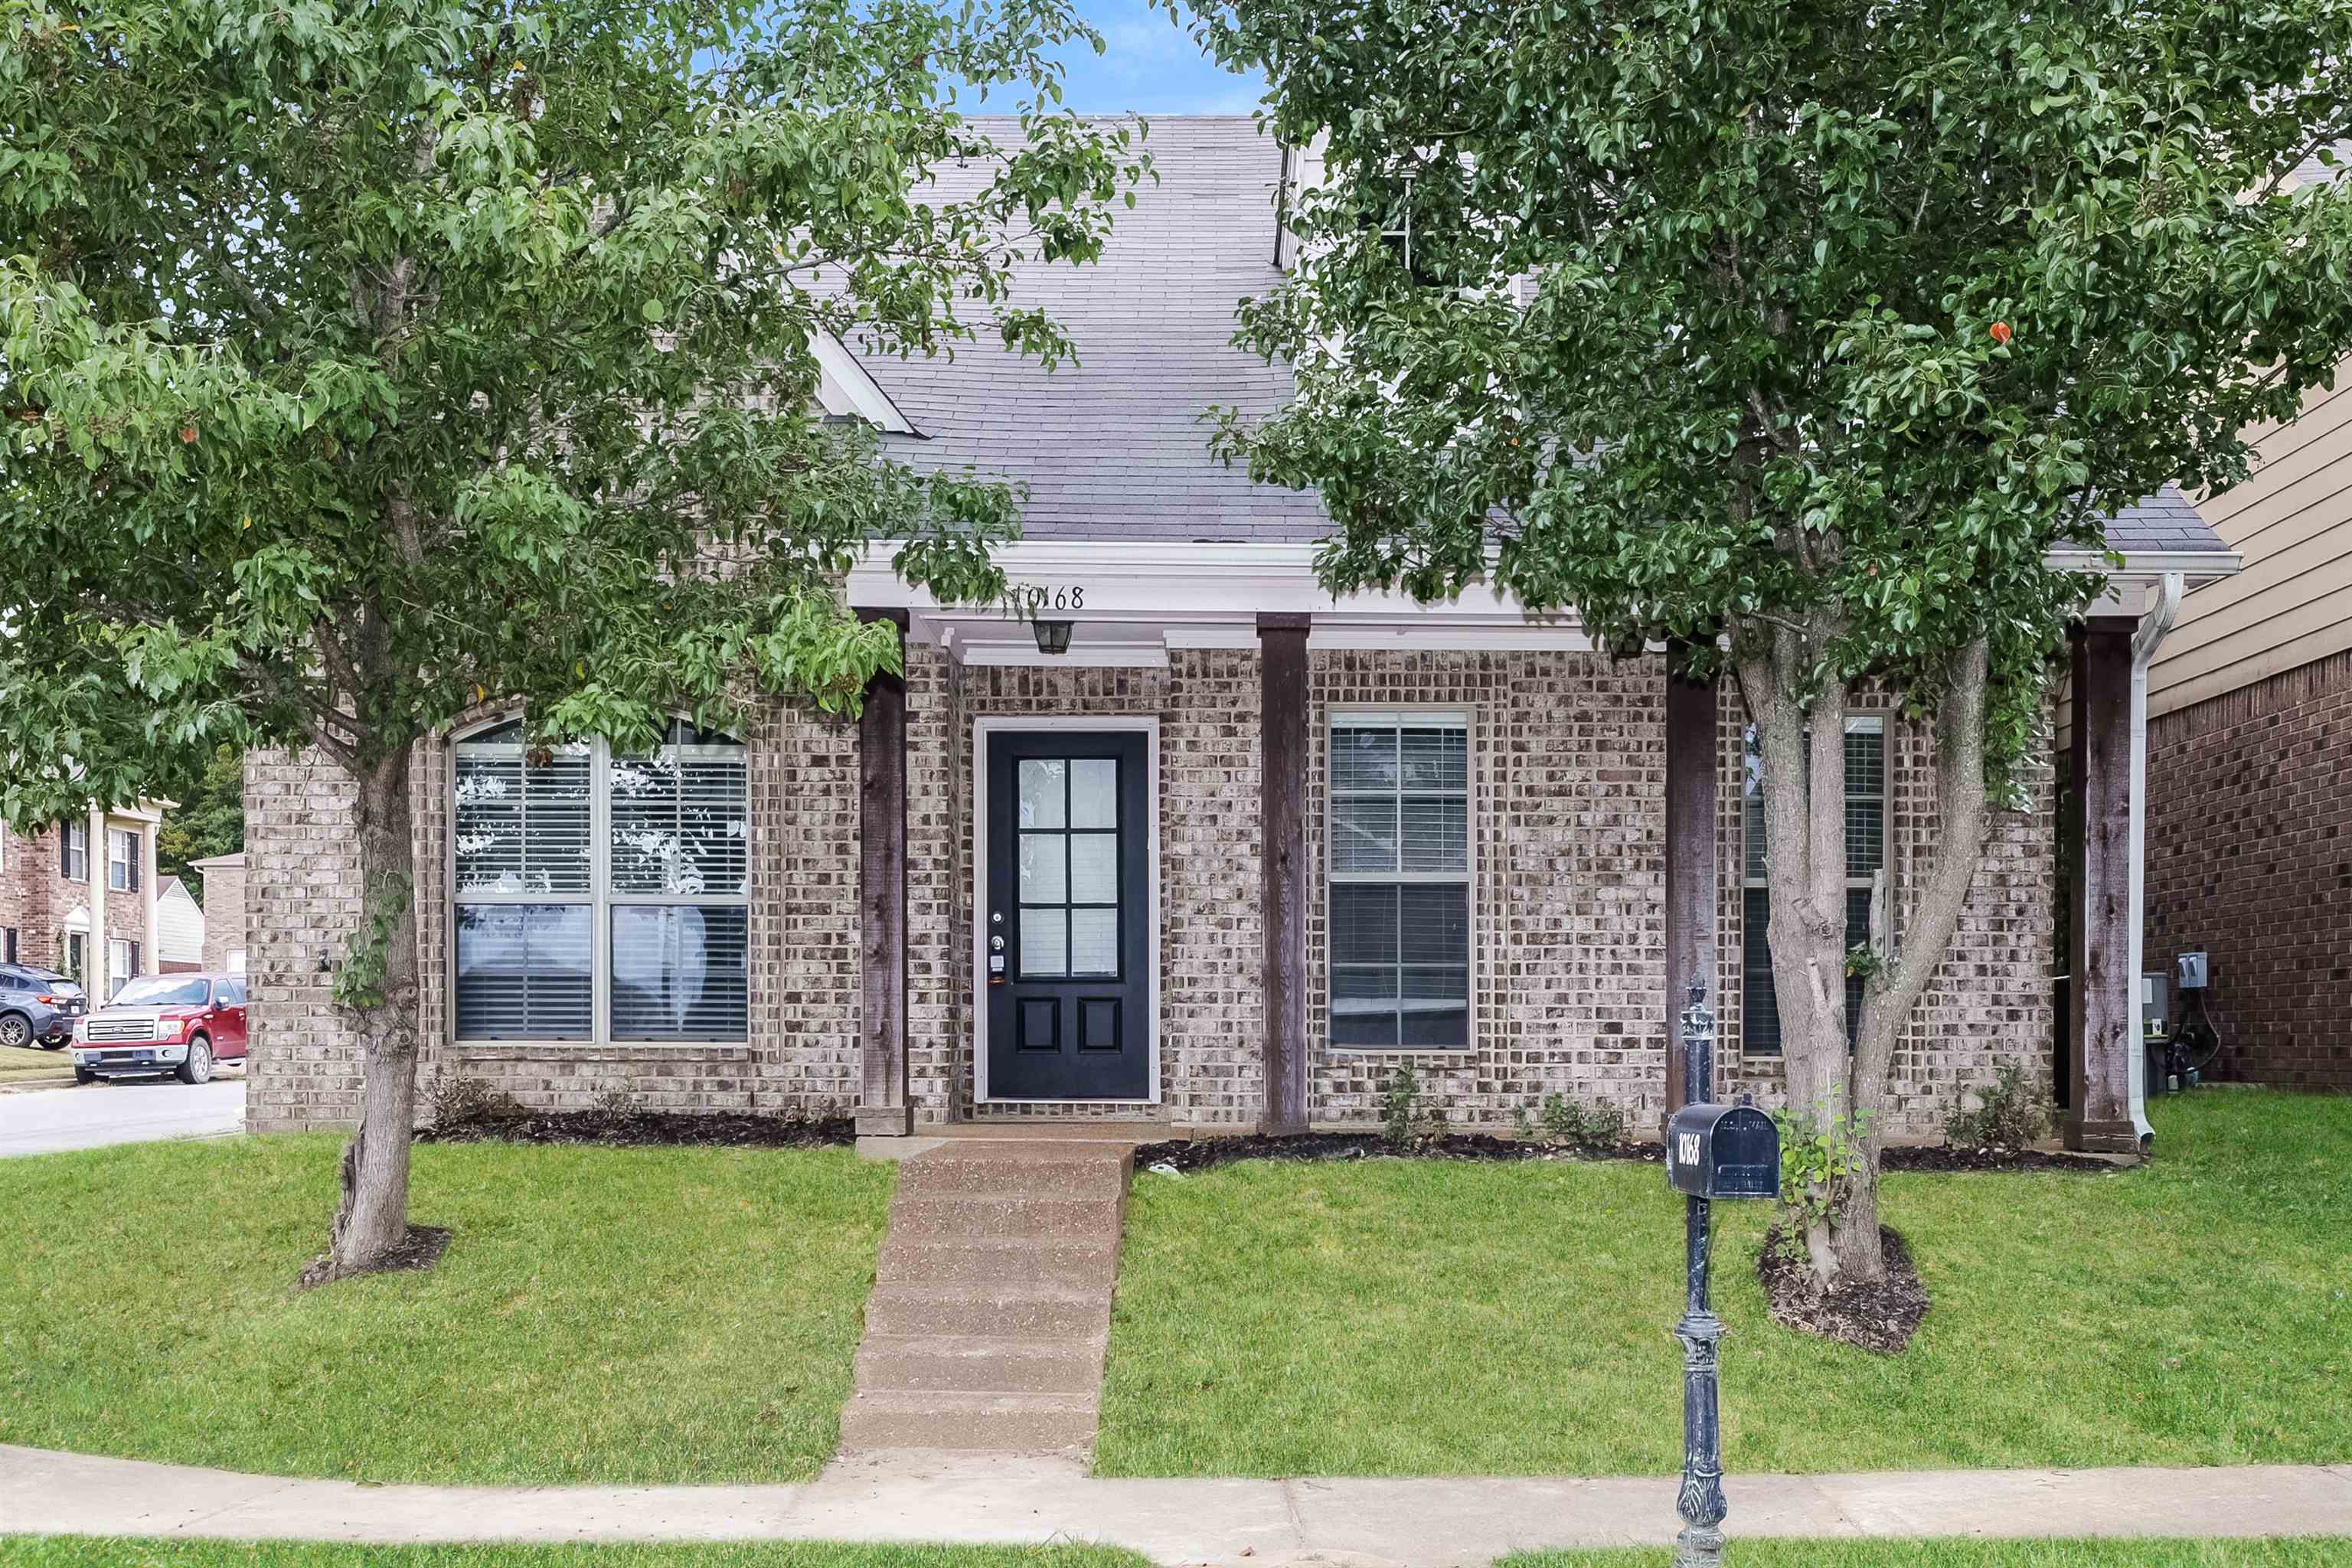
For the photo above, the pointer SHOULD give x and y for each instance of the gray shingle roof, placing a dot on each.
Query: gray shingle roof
(2165, 520)
(1114, 447)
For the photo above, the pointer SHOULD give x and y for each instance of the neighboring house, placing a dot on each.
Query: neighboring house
(2250, 758)
(224, 884)
(80, 896)
(179, 930)
(1224, 860)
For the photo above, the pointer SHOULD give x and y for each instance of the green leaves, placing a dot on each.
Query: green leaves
(355, 360)
(1724, 320)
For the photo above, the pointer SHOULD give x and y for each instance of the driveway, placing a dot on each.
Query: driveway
(45, 1121)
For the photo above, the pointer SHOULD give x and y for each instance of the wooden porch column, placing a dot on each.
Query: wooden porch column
(2102, 1028)
(1693, 884)
(882, 1109)
(1282, 774)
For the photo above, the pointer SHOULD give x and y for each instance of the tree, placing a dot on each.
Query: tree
(364, 362)
(208, 820)
(1805, 334)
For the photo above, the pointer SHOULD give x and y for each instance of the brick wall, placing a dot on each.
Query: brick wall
(24, 895)
(1568, 833)
(2249, 859)
(1212, 1008)
(224, 915)
(1991, 1001)
(802, 1048)
(1567, 826)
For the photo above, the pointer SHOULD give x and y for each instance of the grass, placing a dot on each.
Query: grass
(90, 1551)
(603, 1315)
(1399, 1317)
(22, 1064)
(2267, 1552)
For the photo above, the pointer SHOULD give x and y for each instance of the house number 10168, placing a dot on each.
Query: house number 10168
(1034, 598)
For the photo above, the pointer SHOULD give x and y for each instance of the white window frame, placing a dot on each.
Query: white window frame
(126, 840)
(1373, 715)
(77, 850)
(117, 974)
(1752, 788)
(600, 900)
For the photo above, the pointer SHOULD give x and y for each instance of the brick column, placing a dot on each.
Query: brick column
(1692, 892)
(2102, 1026)
(1282, 786)
(882, 1108)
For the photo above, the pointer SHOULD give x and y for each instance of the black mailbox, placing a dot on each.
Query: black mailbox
(1722, 1151)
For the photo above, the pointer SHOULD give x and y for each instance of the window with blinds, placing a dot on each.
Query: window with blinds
(1398, 880)
(1865, 853)
(601, 898)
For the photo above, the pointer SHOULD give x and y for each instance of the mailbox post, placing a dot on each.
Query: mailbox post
(1712, 1152)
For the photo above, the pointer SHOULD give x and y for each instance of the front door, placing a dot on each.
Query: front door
(1067, 945)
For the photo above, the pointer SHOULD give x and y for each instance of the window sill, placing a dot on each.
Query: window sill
(583, 1050)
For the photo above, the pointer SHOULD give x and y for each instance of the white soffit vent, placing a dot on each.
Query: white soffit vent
(847, 390)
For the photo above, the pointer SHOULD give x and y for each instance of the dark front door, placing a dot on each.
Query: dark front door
(1067, 944)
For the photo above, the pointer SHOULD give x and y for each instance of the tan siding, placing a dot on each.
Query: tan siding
(2292, 523)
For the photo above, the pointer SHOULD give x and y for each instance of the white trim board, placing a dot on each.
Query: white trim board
(982, 728)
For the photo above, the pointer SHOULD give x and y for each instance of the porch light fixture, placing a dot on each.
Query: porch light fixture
(1052, 637)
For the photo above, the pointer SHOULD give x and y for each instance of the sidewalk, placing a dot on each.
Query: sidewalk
(1415, 1524)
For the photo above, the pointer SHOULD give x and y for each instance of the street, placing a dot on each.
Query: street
(45, 1121)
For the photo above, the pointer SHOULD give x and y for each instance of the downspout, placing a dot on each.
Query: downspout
(2152, 628)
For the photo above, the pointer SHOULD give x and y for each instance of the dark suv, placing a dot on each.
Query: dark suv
(38, 1006)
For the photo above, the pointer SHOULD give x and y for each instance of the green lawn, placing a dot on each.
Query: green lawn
(88, 1551)
(2313, 1553)
(620, 1315)
(20, 1065)
(1395, 1318)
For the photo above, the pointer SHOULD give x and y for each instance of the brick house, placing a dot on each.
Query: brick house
(1223, 860)
(80, 896)
(2249, 756)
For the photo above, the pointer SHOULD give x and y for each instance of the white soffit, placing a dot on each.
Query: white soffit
(1131, 603)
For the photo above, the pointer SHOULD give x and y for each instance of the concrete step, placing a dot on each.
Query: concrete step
(978, 1364)
(945, 1218)
(995, 1171)
(998, 1423)
(1000, 1261)
(1005, 1312)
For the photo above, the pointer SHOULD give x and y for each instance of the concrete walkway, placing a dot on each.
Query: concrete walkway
(962, 1498)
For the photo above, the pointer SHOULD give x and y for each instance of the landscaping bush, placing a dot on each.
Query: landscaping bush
(2010, 1112)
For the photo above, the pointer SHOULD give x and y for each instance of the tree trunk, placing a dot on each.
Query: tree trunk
(1837, 1091)
(378, 988)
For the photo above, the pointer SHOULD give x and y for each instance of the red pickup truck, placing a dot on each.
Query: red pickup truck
(176, 1024)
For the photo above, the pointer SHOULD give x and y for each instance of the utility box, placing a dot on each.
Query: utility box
(1722, 1151)
(2155, 1007)
(2191, 970)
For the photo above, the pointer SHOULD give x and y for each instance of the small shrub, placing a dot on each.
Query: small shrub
(614, 1103)
(1582, 1124)
(1820, 1155)
(1522, 1127)
(455, 1100)
(2010, 1112)
(1400, 1106)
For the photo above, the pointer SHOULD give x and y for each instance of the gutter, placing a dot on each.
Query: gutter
(2153, 626)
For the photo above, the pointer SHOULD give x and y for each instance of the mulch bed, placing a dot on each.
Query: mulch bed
(1880, 1316)
(1943, 1157)
(417, 1252)
(644, 1127)
(1188, 1154)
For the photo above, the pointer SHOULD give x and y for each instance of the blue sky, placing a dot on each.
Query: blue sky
(1151, 66)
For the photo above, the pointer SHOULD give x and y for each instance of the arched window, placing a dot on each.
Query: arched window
(600, 898)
